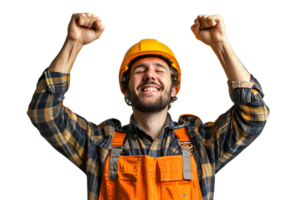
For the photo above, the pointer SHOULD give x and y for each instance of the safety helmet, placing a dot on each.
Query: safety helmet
(144, 47)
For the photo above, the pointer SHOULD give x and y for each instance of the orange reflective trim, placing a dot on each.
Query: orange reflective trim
(118, 139)
(182, 135)
(189, 114)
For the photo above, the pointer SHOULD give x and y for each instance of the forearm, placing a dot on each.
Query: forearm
(63, 62)
(234, 69)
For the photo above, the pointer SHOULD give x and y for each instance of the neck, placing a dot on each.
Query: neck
(152, 123)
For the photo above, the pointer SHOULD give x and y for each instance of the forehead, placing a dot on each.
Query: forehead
(150, 61)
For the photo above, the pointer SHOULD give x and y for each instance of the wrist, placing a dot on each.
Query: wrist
(219, 45)
(63, 62)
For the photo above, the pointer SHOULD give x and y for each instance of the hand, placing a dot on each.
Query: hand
(85, 28)
(210, 29)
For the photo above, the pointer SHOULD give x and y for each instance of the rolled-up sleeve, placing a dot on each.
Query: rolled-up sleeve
(237, 128)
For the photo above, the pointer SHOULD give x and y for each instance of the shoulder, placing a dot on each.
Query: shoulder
(110, 122)
(188, 116)
(189, 120)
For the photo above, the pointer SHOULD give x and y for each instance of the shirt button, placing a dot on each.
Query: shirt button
(183, 195)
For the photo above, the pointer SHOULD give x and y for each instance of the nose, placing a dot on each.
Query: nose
(150, 78)
(149, 75)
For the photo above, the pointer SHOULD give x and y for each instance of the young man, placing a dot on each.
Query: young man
(151, 90)
(153, 157)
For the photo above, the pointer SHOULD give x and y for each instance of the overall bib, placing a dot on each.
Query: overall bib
(143, 177)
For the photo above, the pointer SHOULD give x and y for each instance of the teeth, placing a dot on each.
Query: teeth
(148, 89)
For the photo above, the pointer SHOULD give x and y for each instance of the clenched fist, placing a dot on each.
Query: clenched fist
(209, 29)
(85, 28)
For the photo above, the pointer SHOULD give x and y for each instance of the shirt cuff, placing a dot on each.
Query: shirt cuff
(56, 82)
(241, 92)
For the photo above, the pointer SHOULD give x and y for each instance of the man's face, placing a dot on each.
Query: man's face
(150, 85)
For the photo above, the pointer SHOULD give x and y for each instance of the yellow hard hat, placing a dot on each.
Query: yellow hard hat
(144, 47)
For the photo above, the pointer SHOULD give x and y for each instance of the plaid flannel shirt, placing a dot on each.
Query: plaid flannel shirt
(87, 144)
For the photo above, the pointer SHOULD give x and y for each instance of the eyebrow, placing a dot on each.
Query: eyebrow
(144, 65)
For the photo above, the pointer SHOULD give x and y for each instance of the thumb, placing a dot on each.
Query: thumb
(195, 27)
(100, 28)
(97, 23)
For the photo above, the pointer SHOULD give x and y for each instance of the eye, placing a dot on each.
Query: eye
(144, 71)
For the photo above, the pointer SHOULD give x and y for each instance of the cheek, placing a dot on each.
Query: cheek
(133, 82)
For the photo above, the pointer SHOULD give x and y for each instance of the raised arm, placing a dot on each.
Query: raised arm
(66, 131)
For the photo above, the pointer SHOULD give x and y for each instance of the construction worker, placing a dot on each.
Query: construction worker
(152, 157)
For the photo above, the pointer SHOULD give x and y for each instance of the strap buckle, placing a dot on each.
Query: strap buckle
(191, 146)
(116, 146)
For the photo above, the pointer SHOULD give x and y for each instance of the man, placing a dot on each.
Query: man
(152, 157)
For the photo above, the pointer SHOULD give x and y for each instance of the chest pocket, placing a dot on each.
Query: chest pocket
(125, 187)
(129, 168)
(173, 185)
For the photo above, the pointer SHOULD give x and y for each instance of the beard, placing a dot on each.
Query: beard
(155, 107)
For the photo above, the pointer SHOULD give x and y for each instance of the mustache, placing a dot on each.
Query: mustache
(152, 83)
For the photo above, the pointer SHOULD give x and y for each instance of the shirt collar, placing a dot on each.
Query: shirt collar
(135, 130)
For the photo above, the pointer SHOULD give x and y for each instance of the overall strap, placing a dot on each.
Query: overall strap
(115, 148)
(184, 139)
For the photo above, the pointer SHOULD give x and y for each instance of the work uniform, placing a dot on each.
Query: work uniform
(146, 167)
(151, 178)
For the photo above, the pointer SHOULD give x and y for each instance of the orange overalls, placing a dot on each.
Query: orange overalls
(144, 177)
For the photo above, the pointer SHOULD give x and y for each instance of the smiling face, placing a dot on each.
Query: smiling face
(150, 85)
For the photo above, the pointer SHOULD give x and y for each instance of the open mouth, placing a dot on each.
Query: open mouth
(149, 89)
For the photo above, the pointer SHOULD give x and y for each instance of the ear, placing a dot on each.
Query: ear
(174, 89)
(126, 93)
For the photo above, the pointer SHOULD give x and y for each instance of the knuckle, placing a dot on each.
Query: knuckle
(77, 15)
(82, 18)
(95, 17)
(88, 15)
